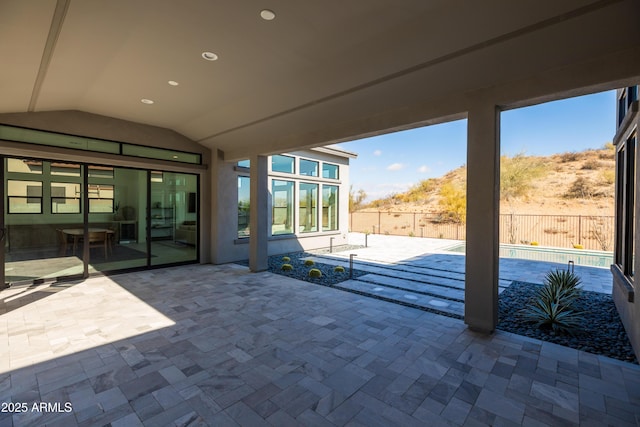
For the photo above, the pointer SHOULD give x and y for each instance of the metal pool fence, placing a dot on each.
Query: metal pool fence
(562, 231)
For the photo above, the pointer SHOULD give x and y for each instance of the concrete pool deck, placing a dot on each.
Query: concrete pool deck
(421, 273)
(428, 252)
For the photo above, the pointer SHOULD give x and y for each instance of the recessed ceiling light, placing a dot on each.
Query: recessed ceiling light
(267, 15)
(173, 83)
(175, 157)
(209, 56)
(146, 101)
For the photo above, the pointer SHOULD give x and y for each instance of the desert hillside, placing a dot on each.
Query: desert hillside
(574, 183)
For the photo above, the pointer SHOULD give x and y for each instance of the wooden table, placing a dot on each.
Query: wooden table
(78, 233)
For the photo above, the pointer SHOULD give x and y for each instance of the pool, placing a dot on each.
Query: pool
(538, 253)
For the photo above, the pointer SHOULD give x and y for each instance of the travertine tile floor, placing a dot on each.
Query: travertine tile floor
(216, 345)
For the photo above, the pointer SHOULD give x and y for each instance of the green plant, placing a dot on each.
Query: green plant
(607, 177)
(339, 269)
(553, 305)
(453, 201)
(308, 262)
(356, 199)
(286, 259)
(559, 318)
(314, 272)
(561, 286)
(286, 267)
(518, 173)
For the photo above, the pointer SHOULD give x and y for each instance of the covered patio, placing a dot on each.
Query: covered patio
(218, 345)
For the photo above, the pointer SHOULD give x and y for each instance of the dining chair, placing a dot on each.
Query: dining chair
(99, 239)
(63, 242)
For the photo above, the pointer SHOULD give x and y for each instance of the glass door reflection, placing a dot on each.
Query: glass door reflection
(117, 218)
(173, 217)
(42, 212)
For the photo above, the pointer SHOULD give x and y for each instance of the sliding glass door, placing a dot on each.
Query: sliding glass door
(173, 217)
(43, 219)
(66, 219)
(117, 215)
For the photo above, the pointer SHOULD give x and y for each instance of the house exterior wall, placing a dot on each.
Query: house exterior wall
(218, 239)
(229, 247)
(627, 239)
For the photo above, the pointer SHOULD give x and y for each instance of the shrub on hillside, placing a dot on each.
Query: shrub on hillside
(453, 202)
(571, 156)
(583, 188)
(518, 173)
(592, 165)
(607, 177)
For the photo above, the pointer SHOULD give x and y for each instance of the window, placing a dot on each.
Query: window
(65, 197)
(627, 97)
(105, 172)
(633, 94)
(243, 206)
(308, 212)
(282, 164)
(52, 139)
(24, 166)
(157, 176)
(101, 198)
(244, 163)
(24, 196)
(622, 106)
(282, 214)
(329, 171)
(65, 169)
(625, 207)
(308, 167)
(329, 207)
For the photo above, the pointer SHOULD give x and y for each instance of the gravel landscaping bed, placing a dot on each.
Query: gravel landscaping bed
(602, 331)
(301, 271)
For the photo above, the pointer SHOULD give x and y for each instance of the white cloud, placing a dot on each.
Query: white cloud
(377, 153)
(423, 169)
(395, 167)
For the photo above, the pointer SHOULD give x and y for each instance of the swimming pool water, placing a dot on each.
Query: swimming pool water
(559, 255)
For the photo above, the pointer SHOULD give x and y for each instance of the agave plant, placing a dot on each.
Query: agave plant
(553, 305)
(559, 318)
(561, 287)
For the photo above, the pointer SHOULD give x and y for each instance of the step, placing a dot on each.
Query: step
(408, 298)
(434, 289)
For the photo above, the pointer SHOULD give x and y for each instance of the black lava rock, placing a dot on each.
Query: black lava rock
(602, 331)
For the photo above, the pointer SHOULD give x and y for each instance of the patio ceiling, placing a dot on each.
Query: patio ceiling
(319, 72)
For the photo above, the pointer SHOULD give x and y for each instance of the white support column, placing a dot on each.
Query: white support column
(258, 226)
(483, 209)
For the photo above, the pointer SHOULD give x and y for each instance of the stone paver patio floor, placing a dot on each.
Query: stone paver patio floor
(217, 345)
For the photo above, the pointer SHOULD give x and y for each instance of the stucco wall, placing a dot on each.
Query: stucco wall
(629, 311)
(227, 247)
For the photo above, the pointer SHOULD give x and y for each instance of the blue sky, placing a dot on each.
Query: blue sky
(392, 163)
